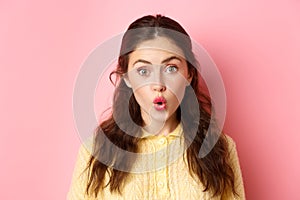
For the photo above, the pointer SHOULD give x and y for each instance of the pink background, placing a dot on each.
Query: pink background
(255, 44)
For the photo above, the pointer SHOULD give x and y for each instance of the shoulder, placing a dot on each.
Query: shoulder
(230, 142)
(80, 174)
(231, 148)
(84, 154)
(232, 151)
(234, 162)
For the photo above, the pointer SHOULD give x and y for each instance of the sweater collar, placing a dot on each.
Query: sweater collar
(177, 132)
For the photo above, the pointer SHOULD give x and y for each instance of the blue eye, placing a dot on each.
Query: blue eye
(143, 71)
(171, 69)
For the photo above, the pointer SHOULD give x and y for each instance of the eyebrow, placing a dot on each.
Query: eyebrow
(164, 61)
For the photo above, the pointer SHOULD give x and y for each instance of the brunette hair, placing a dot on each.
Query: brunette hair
(214, 170)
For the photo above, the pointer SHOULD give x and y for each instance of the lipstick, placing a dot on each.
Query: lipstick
(160, 103)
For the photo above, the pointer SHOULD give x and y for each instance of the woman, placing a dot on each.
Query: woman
(149, 147)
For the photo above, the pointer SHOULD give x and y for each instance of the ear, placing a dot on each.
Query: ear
(127, 81)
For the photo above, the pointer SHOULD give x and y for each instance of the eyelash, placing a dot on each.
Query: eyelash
(171, 67)
(139, 70)
(145, 72)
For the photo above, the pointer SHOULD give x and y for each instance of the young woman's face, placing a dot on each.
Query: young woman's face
(158, 75)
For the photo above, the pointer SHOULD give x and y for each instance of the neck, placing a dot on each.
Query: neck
(156, 127)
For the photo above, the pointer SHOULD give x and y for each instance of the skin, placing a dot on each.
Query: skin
(157, 68)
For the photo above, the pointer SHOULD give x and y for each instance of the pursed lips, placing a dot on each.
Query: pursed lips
(160, 103)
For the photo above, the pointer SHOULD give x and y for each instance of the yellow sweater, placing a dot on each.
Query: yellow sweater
(164, 174)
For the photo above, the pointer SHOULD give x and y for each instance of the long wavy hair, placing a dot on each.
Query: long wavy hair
(214, 170)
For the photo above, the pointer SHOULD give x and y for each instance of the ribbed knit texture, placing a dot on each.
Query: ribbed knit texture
(163, 174)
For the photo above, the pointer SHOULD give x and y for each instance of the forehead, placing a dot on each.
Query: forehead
(156, 50)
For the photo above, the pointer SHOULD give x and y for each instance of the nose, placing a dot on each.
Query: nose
(158, 87)
(157, 81)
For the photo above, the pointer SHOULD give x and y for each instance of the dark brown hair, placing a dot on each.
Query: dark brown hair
(214, 170)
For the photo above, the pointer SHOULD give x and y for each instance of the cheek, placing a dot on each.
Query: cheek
(177, 88)
(140, 95)
(178, 93)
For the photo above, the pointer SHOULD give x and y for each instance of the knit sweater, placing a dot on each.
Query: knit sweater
(160, 173)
